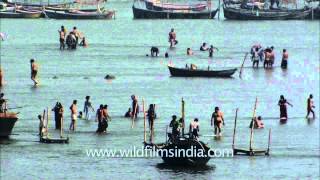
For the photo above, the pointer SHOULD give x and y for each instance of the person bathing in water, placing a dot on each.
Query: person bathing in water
(128, 113)
(83, 42)
(211, 50)
(258, 124)
(74, 110)
(283, 108)
(154, 51)
(172, 38)
(87, 107)
(284, 61)
(62, 35)
(204, 47)
(189, 52)
(34, 71)
(310, 106)
(194, 128)
(217, 121)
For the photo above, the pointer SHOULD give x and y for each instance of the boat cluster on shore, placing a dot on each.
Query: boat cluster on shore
(155, 9)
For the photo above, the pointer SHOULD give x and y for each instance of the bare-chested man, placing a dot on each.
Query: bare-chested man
(74, 111)
(34, 71)
(1, 77)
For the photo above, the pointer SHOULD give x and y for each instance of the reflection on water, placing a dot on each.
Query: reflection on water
(186, 169)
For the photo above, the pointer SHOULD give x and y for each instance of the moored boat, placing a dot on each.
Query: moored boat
(184, 72)
(76, 14)
(7, 122)
(159, 6)
(140, 11)
(265, 14)
(20, 14)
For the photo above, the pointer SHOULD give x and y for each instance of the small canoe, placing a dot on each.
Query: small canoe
(79, 14)
(54, 140)
(71, 9)
(183, 72)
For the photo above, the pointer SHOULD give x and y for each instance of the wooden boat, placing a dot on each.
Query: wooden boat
(237, 13)
(173, 6)
(72, 9)
(7, 121)
(184, 143)
(314, 13)
(140, 11)
(20, 14)
(49, 140)
(184, 72)
(38, 4)
(183, 150)
(75, 14)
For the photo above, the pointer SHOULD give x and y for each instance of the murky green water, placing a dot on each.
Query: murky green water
(118, 47)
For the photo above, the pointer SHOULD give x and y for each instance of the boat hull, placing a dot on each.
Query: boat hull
(7, 122)
(179, 72)
(68, 15)
(140, 13)
(20, 14)
(315, 13)
(248, 14)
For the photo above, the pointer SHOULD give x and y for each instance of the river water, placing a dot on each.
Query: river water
(118, 47)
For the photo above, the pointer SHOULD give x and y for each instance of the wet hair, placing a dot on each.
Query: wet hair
(174, 117)
(39, 116)
(203, 44)
(284, 50)
(31, 60)
(216, 108)
(281, 97)
(259, 117)
(74, 101)
(271, 47)
(74, 27)
(105, 106)
(211, 46)
(166, 55)
(196, 119)
(257, 49)
(1, 95)
(101, 106)
(311, 96)
(172, 29)
(88, 97)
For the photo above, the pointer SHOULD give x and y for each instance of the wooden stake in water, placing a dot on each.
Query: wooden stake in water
(144, 122)
(183, 116)
(251, 130)
(234, 129)
(61, 126)
(241, 68)
(269, 141)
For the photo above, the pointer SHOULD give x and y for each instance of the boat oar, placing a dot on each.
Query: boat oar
(241, 68)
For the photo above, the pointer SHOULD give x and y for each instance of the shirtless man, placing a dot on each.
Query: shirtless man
(172, 38)
(62, 35)
(217, 121)
(74, 111)
(310, 106)
(34, 71)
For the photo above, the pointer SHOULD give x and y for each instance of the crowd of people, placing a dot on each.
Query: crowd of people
(71, 39)
(267, 56)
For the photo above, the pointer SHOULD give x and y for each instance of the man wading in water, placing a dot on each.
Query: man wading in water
(310, 107)
(217, 121)
(135, 107)
(74, 111)
(283, 108)
(34, 71)
(62, 35)
(172, 38)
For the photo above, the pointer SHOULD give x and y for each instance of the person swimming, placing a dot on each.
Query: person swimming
(189, 52)
(128, 113)
(204, 47)
(83, 42)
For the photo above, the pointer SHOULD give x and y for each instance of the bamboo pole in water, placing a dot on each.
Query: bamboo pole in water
(269, 141)
(47, 120)
(234, 128)
(245, 57)
(144, 122)
(219, 10)
(251, 130)
(61, 127)
(183, 116)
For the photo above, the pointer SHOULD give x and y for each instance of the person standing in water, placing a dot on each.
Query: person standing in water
(272, 57)
(62, 36)
(83, 42)
(310, 106)
(172, 38)
(151, 116)
(189, 52)
(34, 71)
(3, 104)
(194, 128)
(74, 111)
(284, 61)
(217, 121)
(87, 106)
(58, 114)
(255, 58)
(135, 107)
(283, 108)
(99, 116)
(1, 77)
